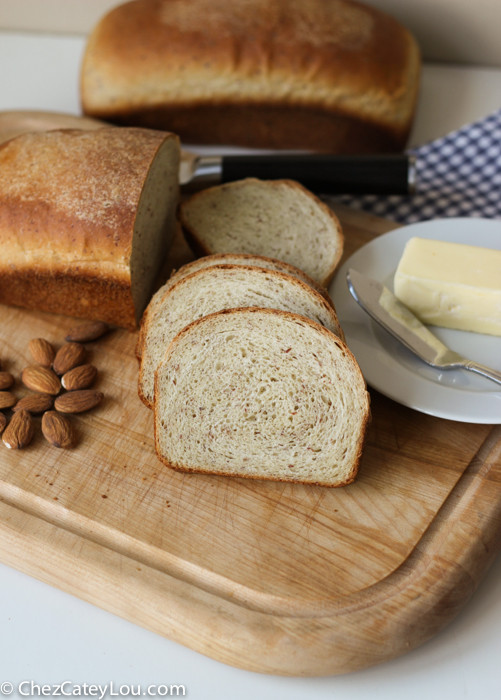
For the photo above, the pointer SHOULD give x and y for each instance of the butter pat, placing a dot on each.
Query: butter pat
(451, 284)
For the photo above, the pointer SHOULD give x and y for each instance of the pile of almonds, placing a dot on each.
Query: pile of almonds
(60, 384)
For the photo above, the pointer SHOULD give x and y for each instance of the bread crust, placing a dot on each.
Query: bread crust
(328, 75)
(76, 294)
(296, 318)
(68, 205)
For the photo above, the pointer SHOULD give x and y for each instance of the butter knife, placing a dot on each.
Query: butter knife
(384, 307)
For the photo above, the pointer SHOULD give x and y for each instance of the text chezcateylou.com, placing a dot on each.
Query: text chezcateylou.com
(93, 690)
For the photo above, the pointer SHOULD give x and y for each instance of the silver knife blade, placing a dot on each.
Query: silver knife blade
(197, 172)
(384, 307)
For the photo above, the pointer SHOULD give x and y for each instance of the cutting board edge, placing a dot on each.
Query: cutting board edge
(382, 622)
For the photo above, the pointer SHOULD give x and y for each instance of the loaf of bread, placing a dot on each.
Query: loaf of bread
(275, 218)
(221, 287)
(220, 259)
(263, 394)
(86, 218)
(326, 75)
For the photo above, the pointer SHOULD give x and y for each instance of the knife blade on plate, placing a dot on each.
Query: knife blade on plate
(322, 173)
(384, 307)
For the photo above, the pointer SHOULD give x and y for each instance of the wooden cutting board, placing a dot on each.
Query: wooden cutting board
(270, 577)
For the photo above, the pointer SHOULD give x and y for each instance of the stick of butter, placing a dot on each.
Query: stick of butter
(451, 284)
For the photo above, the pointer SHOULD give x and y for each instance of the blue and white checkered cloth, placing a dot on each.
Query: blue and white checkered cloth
(458, 175)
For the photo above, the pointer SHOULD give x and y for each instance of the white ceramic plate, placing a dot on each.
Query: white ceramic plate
(393, 370)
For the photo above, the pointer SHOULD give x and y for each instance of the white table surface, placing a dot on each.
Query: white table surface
(49, 637)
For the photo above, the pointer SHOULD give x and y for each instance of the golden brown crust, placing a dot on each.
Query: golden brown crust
(73, 191)
(323, 74)
(71, 294)
(68, 202)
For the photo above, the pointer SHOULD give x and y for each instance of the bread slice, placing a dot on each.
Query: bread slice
(276, 218)
(322, 75)
(86, 218)
(263, 394)
(222, 287)
(221, 259)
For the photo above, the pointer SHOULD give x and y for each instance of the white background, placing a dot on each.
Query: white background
(49, 637)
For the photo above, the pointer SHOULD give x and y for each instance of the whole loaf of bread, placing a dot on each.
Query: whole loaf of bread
(329, 75)
(86, 218)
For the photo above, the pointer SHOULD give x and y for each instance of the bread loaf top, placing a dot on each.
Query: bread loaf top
(70, 196)
(336, 56)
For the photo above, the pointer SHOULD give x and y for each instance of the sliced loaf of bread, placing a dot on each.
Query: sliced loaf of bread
(263, 394)
(221, 287)
(86, 220)
(276, 218)
(221, 259)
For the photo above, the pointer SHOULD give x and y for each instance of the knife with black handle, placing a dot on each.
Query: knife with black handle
(321, 173)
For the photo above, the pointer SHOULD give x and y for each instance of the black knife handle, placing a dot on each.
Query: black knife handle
(328, 174)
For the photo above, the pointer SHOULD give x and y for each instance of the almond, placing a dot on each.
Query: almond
(57, 429)
(80, 377)
(41, 379)
(34, 403)
(68, 356)
(6, 380)
(78, 401)
(41, 351)
(3, 421)
(7, 399)
(19, 432)
(85, 332)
